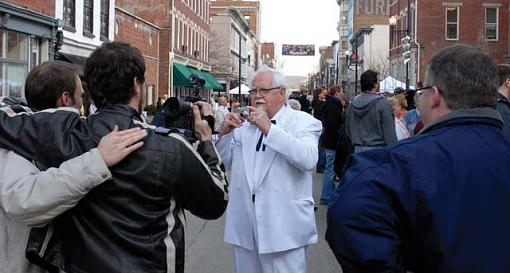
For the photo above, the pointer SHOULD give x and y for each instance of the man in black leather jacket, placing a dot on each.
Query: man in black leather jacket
(135, 223)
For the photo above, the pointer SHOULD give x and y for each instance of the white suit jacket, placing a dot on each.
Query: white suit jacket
(283, 201)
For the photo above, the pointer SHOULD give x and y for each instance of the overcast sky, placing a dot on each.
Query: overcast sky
(299, 22)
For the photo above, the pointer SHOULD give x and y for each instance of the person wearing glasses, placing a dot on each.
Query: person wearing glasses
(503, 105)
(439, 201)
(369, 121)
(270, 215)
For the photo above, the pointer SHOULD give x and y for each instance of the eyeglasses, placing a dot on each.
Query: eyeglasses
(262, 91)
(419, 91)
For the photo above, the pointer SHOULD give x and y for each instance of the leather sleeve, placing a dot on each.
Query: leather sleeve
(202, 188)
(48, 138)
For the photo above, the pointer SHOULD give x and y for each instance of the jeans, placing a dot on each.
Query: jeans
(321, 163)
(328, 184)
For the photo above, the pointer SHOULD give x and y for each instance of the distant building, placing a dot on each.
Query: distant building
(231, 44)
(184, 42)
(267, 50)
(433, 25)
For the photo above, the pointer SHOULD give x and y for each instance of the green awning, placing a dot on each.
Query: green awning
(181, 75)
(212, 81)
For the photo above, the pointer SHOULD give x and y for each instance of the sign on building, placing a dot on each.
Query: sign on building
(373, 7)
(298, 50)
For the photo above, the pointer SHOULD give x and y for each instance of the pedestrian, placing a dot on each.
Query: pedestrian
(319, 98)
(437, 202)
(305, 103)
(503, 105)
(370, 120)
(270, 217)
(30, 197)
(221, 112)
(331, 121)
(412, 117)
(159, 103)
(401, 105)
(136, 222)
(400, 128)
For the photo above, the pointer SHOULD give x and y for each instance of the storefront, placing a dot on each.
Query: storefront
(26, 40)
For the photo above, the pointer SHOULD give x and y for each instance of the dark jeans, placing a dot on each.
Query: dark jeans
(321, 163)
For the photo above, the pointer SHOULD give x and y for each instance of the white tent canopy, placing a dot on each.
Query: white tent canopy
(244, 90)
(389, 84)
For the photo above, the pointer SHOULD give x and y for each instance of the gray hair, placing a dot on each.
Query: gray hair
(466, 76)
(279, 80)
(294, 104)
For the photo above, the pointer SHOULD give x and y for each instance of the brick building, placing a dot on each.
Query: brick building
(144, 36)
(267, 51)
(184, 41)
(483, 23)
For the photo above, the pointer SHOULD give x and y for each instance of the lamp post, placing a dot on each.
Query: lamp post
(240, 57)
(406, 41)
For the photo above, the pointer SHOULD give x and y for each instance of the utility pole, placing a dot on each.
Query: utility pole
(240, 41)
(408, 42)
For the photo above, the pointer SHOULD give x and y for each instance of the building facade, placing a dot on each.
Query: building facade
(144, 36)
(434, 25)
(86, 24)
(361, 16)
(28, 35)
(250, 12)
(184, 42)
(231, 39)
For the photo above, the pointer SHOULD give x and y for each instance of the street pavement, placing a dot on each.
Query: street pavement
(207, 253)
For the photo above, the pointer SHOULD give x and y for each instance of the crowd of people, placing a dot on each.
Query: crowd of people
(423, 189)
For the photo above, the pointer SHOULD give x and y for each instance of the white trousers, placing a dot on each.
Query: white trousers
(290, 261)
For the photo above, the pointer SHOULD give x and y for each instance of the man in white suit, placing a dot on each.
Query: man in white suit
(270, 218)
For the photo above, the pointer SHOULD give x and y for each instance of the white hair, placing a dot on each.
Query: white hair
(279, 80)
(294, 104)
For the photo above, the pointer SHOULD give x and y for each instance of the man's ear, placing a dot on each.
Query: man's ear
(436, 97)
(137, 86)
(64, 100)
(507, 82)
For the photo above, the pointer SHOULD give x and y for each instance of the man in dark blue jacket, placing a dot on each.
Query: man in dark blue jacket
(439, 201)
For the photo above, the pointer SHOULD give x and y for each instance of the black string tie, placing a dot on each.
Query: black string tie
(259, 143)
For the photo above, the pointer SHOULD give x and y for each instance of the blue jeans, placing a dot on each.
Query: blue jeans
(321, 163)
(328, 184)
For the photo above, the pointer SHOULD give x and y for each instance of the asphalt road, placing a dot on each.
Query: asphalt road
(207, 253)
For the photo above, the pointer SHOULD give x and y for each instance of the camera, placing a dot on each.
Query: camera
(243, 112)
(176, 116)
(197, 82)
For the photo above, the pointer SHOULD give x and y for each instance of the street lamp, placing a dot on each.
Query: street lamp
(405, 41)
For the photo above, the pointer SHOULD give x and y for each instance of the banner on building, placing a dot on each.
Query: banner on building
(298, 50)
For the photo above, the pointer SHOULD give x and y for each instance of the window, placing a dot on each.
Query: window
(452, 23)
(105, 17)
(15, 56)
(88, 16)
(69, 9)
(491, 23)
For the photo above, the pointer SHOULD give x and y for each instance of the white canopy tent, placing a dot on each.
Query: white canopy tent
(389, 84)
(244, 90)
